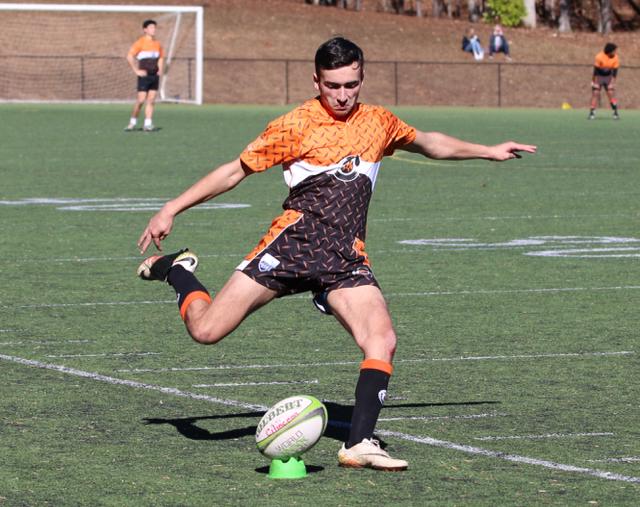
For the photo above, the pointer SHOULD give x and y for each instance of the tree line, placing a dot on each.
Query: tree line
(601, 16)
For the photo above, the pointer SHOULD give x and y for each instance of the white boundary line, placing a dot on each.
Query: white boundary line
(420, 440)
(510, 457)
(43, 342)
(349, 363)
(442, 417)
(105, 354)
(630, 459)
(482, 292)
(131, 383)
(548, 435)
(251, 384)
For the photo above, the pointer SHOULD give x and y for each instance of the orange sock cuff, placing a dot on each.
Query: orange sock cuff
(377, 364)
(198, 294)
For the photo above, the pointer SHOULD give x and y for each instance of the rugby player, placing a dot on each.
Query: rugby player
(330, 149)
(146, 59)
(605, 72)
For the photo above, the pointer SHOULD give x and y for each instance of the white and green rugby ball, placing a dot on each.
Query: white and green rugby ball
(292, 426)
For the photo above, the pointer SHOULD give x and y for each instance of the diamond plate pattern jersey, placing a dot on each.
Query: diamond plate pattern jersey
(330, 167)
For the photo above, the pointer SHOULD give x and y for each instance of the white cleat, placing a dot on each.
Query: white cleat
(369, 454)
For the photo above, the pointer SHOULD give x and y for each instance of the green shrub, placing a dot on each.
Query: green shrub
(510, 12)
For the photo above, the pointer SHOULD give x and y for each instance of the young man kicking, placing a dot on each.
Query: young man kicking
(330, 149)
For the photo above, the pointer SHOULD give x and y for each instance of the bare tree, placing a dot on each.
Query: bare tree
(564, 22)
(474, 10)
(549, 11)
(437, 8)
(453, 8)
(419, 7)
(604, 18)
(530, 18)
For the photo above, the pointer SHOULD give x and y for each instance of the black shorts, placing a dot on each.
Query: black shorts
(301, 254)
(603, 81)
(146, 83)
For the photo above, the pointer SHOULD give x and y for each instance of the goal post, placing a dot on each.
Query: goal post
(77, 52)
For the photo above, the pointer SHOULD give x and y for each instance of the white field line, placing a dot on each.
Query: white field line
(106, 354)
(234, 403)
(630, 459)
(442, 417)
(131, 383)
(601, 474)
(548, 435)
(348, 363)
(43, 342)
(251, 384)
(482, 292)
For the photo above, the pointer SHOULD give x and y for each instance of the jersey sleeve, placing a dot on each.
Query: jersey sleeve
(278, 144)
(135, 48)
(398, 133)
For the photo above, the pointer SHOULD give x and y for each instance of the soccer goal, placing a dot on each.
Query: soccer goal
(77, 52)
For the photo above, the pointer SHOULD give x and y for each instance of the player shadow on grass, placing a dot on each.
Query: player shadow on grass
(337, 427)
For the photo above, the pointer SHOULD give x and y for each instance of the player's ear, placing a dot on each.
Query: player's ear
(316, 82)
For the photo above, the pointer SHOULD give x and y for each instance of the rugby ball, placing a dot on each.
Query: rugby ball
(291, 427)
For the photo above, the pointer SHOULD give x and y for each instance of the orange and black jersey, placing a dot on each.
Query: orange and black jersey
(606, 65)
(147, 51)
(330, 166)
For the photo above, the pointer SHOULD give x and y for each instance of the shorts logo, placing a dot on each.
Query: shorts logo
(382, 396)
(267, 263)
(361, 272)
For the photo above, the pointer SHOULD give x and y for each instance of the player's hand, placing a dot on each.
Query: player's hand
(141, 73)
(510, 150)
(158, 228)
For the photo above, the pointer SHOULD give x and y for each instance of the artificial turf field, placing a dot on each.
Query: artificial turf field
(514, 288)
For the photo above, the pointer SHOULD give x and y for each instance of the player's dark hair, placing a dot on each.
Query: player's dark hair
(148, 22)
(609, 48)
(338, 52)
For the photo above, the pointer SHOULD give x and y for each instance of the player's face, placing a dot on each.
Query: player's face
(339, 89)
(150, 30)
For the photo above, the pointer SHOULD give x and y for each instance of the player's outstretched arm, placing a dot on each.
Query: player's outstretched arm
(441, 146)
(218, 181)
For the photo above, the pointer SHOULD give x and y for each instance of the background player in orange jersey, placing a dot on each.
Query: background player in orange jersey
(330, 149)
(146, 58)
(605, 72)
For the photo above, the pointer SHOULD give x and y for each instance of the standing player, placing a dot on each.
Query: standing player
(330, 149)
(146, 58)
(605, 72)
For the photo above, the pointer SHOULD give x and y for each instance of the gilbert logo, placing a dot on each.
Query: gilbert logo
(267, 263)
(382, 396)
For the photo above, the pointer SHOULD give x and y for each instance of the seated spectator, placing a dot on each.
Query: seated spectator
(471, 44)
(498, 43)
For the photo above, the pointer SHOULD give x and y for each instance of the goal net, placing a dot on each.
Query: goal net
(77, 52)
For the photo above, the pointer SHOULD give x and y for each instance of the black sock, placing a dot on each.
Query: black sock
(371, 391)
(185, 283)
(614, 106)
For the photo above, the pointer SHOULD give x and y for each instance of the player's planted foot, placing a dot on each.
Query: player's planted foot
(130, 127)
(148, 128)
(592, 116)
(157, 267)
(616, 116)
(369, 454)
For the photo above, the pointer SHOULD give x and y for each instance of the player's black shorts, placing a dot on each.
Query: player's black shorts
(146, 83)
(603, 81)
(301, 254)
